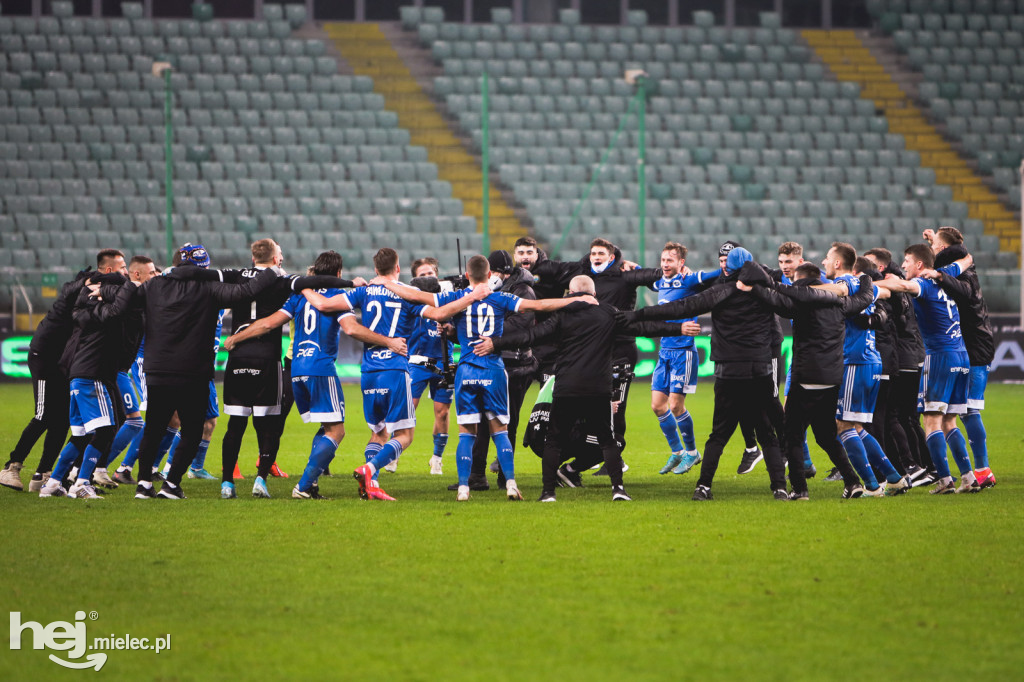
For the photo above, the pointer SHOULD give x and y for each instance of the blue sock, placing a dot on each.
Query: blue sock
(200, 459)
(668, 425)
(320, 455)
(165, 446)
(440, 443)
(858, 457)
(958, 446)
(67, 458)
(878, 459)
(505, 455)
(372, 449)
(174, 447)
(132, 454)
(976, 434)
(936, 442)
(125, 435)
(89, 460)
(464, 457)
(807, 455)
(685, 424)
(389, 452)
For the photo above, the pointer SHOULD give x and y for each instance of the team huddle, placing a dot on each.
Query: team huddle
(885, 359)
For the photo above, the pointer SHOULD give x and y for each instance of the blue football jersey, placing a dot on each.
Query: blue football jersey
(937, 315)
(426, 339)
(674, 289)
(859, 345)
(481, 319)
(387, 314)
(315, 340)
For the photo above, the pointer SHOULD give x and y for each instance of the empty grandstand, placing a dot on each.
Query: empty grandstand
(354, 135)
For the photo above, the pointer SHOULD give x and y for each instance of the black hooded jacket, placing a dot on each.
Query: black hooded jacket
(818, 325)
(965, 291)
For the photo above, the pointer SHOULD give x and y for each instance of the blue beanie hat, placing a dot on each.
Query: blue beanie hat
(736, 258)
(195, 254)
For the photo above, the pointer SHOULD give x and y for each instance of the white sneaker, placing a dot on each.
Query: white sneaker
(36, 484)
(968, 483)
(877, 492)
(52, 488)
(898, 488)
(10, 477)
(463, 494)
(435, 466)
(512, 490)
(101, 477)
(83, 491)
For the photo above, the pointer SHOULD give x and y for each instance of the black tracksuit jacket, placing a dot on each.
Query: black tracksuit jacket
(965, 291)
(54, 330)
(97, 348)
(818, 325)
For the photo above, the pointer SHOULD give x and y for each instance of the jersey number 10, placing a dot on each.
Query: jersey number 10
(484, 321)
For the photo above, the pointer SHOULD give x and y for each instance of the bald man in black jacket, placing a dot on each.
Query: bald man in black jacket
(585, 336)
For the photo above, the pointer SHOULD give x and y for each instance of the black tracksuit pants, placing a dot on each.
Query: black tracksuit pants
(517, 387)
(189, 400)
(53, 398)
(744, 400)
(776, 413)
(576, 417)
(815, 408)
(908, 383)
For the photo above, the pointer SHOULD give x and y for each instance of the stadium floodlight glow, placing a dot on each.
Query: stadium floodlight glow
(164, 70)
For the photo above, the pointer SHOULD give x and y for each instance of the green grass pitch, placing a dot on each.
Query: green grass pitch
(744, 587)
